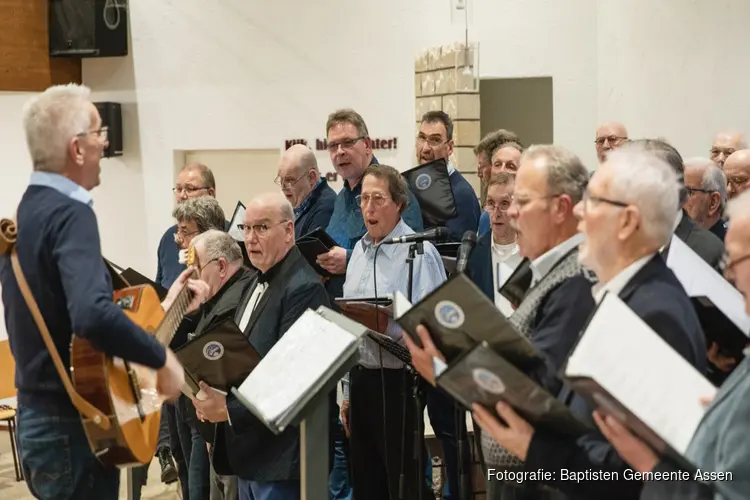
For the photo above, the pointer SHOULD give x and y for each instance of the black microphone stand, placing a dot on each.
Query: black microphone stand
(417, 393)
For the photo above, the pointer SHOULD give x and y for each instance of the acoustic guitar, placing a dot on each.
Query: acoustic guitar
(126, 392)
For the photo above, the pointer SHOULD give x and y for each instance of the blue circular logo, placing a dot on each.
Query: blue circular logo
(449, 314)
(213, 351)
(488, 381)
(423, 181)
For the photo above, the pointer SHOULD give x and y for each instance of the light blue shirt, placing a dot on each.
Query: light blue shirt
(392, 276)
(61, 184)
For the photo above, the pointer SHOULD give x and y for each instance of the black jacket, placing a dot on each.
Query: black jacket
(215, 311)
(658, 298)
(247, 448)
(702, 241)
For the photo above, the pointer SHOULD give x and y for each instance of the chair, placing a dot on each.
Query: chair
(8, 413)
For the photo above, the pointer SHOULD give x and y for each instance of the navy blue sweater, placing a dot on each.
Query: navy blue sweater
(317, 210)
(60, 255)
(168, 255)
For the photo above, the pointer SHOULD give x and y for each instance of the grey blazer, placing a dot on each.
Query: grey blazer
(721, 445)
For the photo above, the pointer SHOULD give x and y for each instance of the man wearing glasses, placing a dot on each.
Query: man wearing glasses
(267, 465)
(608, 137)
(706, 186)
(351, 153)
(725, 143)
(308, 192)
(737, 170)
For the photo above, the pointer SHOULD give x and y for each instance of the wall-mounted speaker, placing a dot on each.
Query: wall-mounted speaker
(88, 28)
(111, 113)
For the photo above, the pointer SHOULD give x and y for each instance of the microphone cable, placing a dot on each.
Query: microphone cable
(382, 369)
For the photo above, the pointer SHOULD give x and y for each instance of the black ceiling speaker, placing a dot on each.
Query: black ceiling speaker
(88, 28)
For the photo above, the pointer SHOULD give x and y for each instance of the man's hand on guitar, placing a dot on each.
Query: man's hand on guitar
(199, 288)
(170, 378)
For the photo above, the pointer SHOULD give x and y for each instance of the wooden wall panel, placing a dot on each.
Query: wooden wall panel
(25, 64)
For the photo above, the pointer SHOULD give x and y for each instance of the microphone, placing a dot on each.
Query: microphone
(437, 234)
(467, 245)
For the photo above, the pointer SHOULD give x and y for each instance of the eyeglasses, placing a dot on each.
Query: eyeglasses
(187, 189)
(727, 266)
(259, 229)
(612, 139)
(289, 182)
(503, 206)
(432, 141)
(204, 266)
(692, 191)
(181, 235)
(377, 199)
(587, 197)
(102, 133)
(736, 182)
(345, 144)
(715, 152)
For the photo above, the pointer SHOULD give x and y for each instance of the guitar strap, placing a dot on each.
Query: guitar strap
(8, 235)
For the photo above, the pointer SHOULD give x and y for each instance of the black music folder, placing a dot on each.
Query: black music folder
(315, 243)
(459, 316)
(719, 305)
(484, 377)
(234, 231)
(123, 278)
(304, 366)
(431, 185)
(514, 289)
(627, 370)
(221, 357)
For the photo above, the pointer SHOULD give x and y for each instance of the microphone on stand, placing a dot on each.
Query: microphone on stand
(468, 242)
(436, 234)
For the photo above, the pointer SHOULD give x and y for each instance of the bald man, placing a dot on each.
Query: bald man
(309, 193)
(608, 137)
(737, 171)
(285, 286)
(725, 143)
(706, 185)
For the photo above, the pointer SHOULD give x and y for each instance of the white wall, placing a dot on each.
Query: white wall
(238, 74)
(675, 68)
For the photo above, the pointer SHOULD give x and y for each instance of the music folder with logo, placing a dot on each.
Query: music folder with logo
(315, 243)
(719, 305)
(459, 316)
(627, 370)
(123, 278)
(518, 283)
(482, 376)
(221, 357)
(301, 369)
(431, 185)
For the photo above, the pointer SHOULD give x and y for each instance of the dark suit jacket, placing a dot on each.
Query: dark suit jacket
(317, 213)
(247, 448)
(479, 267)
(721, 444)
(658, 298)
(701, 241)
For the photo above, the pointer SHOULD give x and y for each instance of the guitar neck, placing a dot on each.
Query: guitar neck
(173, 317)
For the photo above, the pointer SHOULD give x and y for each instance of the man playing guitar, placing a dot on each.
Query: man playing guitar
(57, 250)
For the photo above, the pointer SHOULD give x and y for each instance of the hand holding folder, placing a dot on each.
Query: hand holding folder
(314, 243)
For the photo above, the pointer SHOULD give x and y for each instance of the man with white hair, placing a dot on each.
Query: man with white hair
(550, 182)
(59, 252)
(308, 192)
(721, 443)
(737, 170)
(267, 465)
(706, 187)
(625, 219)
(609, 136)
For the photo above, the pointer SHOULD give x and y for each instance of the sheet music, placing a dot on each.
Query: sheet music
(400, 305)
(631, 362)
(299, 359)
(701, 280)
(239, 216)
